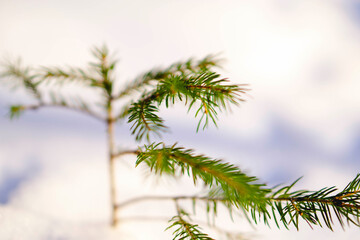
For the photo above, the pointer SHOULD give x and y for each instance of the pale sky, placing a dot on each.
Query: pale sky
(302, 117)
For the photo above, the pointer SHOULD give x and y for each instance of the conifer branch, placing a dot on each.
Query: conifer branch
(17, 110)
(235, 188)
(238, 188)
(98, 75)
(24, 74)
(205, 88)
(190, 66)
(104, 68)
(136, 200)
(66, 75)
(145, 120)
(126, 152)
(317, 207)
(184, 229)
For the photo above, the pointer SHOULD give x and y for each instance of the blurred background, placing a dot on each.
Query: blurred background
(301, 118)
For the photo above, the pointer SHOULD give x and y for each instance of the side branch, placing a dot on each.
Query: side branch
(234, 184)
(184, 229)
(126, 152)
(17, 109)
(166, 198)
(63, 75)
(317, 207)
(205, 88)
(335, 201)
(159, 74)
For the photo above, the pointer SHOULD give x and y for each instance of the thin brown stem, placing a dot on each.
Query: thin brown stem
(145, 122)
(111, 146)
(126, 152)
(206, 198)
(42, 105)
(348, 194)
(165, 198)
(316, 200)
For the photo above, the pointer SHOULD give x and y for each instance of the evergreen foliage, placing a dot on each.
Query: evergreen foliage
(235, 186)
(184, 229)
(315, 206)
(199, 87)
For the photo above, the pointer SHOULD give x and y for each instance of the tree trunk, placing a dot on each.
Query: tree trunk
(111, 149)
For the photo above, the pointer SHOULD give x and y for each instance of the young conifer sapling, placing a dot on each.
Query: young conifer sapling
(200, 88)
